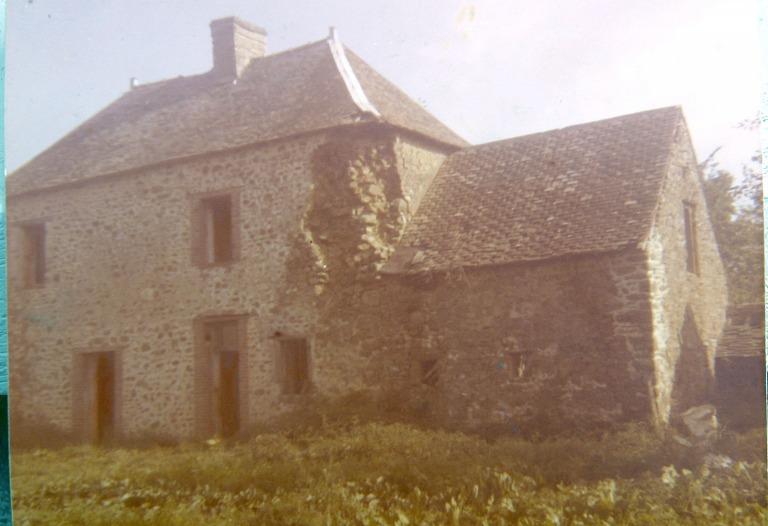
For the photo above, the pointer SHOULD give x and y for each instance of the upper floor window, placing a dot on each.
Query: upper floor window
(691, 240)
(34, 254)
(216, 229)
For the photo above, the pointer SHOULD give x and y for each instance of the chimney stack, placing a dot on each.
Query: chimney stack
(235, 43)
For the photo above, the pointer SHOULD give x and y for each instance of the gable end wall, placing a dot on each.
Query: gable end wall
(675, 290)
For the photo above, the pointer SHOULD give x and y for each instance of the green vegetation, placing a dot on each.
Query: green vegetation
(344, 471)
(736, 210)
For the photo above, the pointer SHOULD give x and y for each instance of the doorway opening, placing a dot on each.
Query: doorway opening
(220, 372)
(98, 407)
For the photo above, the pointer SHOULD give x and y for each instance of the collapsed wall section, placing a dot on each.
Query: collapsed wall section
(356, 212)
(365, 188)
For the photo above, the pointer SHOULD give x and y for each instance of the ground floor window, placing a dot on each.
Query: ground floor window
(292, 366)
(428, 369)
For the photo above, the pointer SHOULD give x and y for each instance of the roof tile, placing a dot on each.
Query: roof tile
(744, 334)
(586, 188)
(296, 91)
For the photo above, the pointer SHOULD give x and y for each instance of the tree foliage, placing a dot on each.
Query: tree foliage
(736, 211)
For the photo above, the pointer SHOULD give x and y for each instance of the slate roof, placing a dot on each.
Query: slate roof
(291, 92)
(744, 334)
(587, 188)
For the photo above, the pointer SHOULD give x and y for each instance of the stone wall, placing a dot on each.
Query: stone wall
(582, 341)
(689, 307)
(365, 189)
(418, 163)
(532, 346)
(573, 342)
(122, 275)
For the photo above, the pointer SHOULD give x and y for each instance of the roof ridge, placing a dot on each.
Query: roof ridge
(676, 108)
(500, 142)
(351, 81)
(141, 85)
(305, 89)
(385, 94)
(670, 146)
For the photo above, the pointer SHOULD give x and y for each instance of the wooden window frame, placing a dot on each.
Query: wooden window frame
(34, 258)
(291, 387)
(206, 249)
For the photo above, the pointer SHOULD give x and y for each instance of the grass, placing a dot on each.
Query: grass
(341, 468)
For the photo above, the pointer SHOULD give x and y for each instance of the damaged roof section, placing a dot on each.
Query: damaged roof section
(314, 87)
(587, 188)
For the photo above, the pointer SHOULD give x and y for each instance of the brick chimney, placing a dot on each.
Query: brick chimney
(235, 43)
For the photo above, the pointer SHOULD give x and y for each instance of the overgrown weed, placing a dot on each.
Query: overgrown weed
(386, 473)
(339, 464)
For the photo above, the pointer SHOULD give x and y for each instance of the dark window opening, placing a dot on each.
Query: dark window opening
(293, 366)
(34, 255)
(217, 227)
(429, 374)
(691, 241)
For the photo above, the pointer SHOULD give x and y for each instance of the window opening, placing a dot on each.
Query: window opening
(293, 366)
(429, 374)
(691, 242)
(519, 362)
(34, 255)
(217, 215)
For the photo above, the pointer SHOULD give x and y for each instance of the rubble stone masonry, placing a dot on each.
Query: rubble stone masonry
(545, 345)
(121, 275)
(689, 304)
(575, 341)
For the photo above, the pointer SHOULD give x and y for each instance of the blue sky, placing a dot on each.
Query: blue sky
(489, 69)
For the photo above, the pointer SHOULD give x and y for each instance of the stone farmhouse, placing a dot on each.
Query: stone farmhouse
(210, 251)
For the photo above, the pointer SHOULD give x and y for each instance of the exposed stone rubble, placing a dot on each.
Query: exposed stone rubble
(357, 212)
